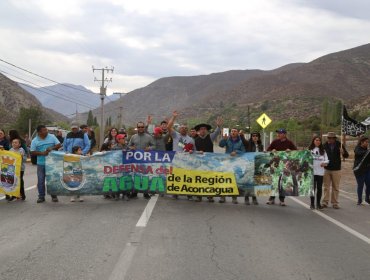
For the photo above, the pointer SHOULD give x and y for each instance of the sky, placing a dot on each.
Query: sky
(146, 40)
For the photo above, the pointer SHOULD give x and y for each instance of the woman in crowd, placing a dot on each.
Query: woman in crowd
(320, 160)
(111, 138)
(361, 169)
(254, 145)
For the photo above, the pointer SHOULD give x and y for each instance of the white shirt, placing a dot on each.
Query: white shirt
(318, 160)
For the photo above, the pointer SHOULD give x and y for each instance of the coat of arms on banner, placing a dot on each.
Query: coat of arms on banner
(73, 177)
(8, 177)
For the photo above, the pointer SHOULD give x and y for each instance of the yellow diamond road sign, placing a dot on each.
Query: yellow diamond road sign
(264, 120)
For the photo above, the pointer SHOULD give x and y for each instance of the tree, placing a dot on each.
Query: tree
(95, 122)
(90, 119)
(25, 114)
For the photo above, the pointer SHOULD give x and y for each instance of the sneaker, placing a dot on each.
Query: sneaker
(54, 198)
(270, 202)
(324, 205)
(40, 200)
(23, 198)
(11, 198)
(367, 201)
(72, 199)
(7, 197)
(254, 201)
(282, 203)
(198, 199)
(81, 199)
(235, 201)
(320, 207)
(335, 206)
(222, 200)
(147, 196)
(312, 207)
(358, 203)
(210, 199)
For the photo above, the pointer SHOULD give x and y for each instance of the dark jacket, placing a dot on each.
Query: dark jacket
(360, 152)
(335, 162)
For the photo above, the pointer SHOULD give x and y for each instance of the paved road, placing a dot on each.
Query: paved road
(100, 239)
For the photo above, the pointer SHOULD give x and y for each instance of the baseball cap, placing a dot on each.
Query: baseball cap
(120, 136)
(281, 130)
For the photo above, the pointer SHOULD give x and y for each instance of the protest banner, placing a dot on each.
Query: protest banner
(10, 182)
(208, 174)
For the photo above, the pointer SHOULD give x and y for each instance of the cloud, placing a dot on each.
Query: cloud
(147, 40)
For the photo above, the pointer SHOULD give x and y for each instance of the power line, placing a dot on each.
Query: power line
(41, 90)
(40, 76)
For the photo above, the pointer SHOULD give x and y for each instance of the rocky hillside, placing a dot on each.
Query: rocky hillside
(295, 90)
(13, 97)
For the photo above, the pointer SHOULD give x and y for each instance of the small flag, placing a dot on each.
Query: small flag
(366, 122)
(350, 126)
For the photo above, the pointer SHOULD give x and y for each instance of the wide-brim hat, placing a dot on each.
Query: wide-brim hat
(331, 135)
(199, 126)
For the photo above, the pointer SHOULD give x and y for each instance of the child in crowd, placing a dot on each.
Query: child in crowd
(76, 150)
(16, 147)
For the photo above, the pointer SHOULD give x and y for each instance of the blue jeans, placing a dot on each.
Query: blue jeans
(361, 180)
(41, 174)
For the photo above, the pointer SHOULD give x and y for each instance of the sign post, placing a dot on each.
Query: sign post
(264, 121)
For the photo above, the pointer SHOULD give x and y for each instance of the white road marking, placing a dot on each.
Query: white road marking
(145, 216)
(27, 189)
(334, 221)
(124, 262)
(347, 192)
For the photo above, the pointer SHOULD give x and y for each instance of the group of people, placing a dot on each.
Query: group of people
(326, 156)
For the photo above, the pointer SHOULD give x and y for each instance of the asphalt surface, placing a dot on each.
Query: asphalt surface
(101, 239)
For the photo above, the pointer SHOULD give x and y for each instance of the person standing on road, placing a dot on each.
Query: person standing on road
(76, 137)
(334, 149)
(282, 143)
(254, 145)
(17, 148)
(204, 142)
(181, 141)
(234, 146)
(361, 169)
(41, 146)
(320, 160)
(141, 141)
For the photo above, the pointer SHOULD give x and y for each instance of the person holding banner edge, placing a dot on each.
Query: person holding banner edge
(361, 169)
(41, 146)
(320, 160)
(282, 143)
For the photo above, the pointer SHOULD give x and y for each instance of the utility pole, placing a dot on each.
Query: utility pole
(120, 108)
(103, 91)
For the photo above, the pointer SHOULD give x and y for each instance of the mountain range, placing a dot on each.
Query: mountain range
(66, 98)
(293, 91)
(13, 98)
